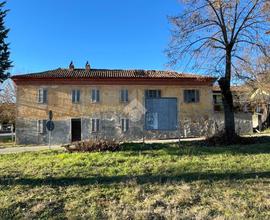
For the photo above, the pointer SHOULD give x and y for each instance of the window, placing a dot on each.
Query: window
(191, 96)
(258, 109)
(95, 125)
(41, 126)
(125, 124)
(95, 95)
(152, 94)
(76, 93)
(215, 99)
(42, 96)
(124, 95)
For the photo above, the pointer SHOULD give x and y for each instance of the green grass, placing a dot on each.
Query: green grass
(140, 182)
(6, 142)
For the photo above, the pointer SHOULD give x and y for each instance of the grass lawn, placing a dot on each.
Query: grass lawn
(6, 142)
(140, 182)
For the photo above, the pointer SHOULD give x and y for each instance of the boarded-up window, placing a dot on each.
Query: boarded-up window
(125, 124)
(42, 96)
(95, 95)
(161, 114)
(76, 95)
(152, 94)
(191, 96)
(41, 126)
(95, 125)
(124, 95)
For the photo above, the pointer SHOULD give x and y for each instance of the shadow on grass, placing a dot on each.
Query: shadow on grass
(140, 179)
(195, 148)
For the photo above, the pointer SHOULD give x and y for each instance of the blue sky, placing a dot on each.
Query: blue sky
(125, 34)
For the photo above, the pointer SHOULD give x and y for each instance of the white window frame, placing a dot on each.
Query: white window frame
(125, 122)
(124, 96)
(77, 96)
(42, 98)
(95, 125)
(95, 95)
(41, 126)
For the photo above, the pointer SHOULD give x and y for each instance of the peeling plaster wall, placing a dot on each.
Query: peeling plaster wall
(110, 110)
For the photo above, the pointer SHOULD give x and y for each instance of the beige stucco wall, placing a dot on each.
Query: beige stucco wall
(59, 101)
(192, 117)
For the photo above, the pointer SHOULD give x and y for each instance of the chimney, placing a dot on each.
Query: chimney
(87, 66)
(71, 66)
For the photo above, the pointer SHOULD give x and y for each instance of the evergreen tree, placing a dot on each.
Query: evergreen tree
(5, 62)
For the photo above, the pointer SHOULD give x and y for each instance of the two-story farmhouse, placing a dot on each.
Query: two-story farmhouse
(111, 104)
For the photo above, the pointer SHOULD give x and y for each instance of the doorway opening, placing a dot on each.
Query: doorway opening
(76, 130)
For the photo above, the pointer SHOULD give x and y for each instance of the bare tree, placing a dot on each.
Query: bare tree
(7, 104)
(212, 35)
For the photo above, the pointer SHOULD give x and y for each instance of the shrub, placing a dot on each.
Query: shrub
(92, 146)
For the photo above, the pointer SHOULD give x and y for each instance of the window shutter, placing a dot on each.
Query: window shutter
(45, 96)
(38, 126)
(97, 125)
(44, 126)
(97, 96)
(127, 124)
(126, 96)
(186, 96)
(197, 99)
(122, 95)
(40, 95)
(122, 124)
(93, 95)
(73, 96)
(41, 126)
(78, 96)
(93, 125)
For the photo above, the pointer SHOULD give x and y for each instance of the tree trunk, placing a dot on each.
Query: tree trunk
(227, 99)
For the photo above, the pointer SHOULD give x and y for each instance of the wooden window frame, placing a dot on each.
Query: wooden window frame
(192, 100)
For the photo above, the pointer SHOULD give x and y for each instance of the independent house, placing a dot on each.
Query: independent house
(107, 104)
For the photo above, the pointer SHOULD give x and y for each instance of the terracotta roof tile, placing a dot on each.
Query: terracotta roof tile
(107, 73)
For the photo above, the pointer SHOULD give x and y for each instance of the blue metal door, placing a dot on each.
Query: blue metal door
(161, 114)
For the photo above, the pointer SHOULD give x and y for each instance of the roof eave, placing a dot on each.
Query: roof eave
(134, 81)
